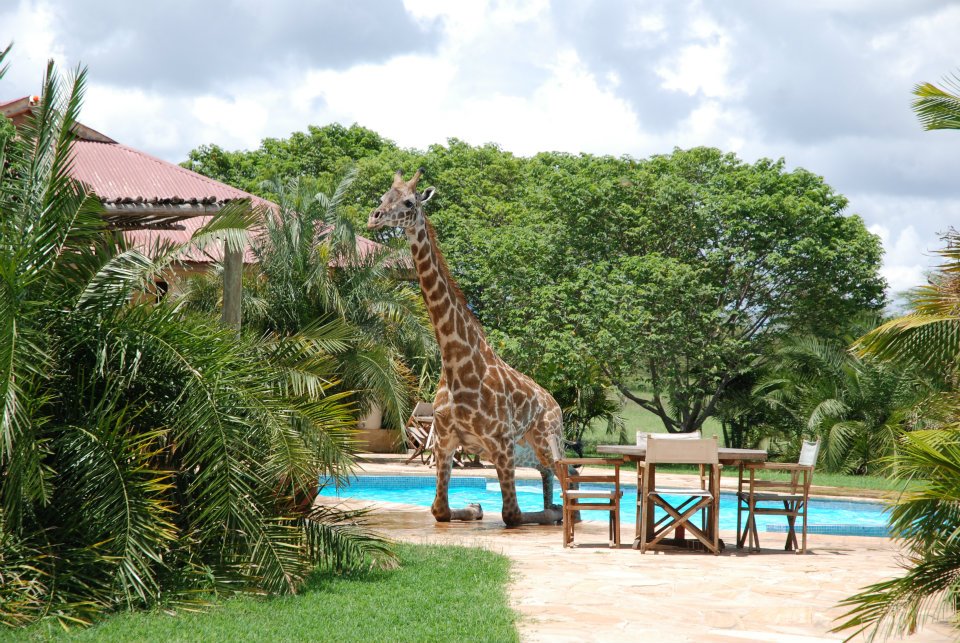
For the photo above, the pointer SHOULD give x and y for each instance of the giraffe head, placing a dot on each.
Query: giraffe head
(400, 207)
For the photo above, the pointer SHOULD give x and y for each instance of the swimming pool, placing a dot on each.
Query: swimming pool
(845, 517)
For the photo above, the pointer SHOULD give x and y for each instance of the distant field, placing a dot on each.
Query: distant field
(639, 419)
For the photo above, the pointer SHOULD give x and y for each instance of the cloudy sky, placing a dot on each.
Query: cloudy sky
(825, 84)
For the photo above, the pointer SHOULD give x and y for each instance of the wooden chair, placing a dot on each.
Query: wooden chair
(421, 438)
(642, 442)
(419, 432)
(695, 499)
(789, 498)
(576, 499)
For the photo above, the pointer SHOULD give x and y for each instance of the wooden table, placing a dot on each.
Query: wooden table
(727, 457)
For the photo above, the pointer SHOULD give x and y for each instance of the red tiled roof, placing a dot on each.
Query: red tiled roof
(119, 174)
(137, 186)
(146, 239)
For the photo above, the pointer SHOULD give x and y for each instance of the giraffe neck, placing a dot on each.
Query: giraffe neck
(458, 332)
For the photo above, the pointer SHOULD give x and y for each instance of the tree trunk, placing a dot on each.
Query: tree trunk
(232, 286)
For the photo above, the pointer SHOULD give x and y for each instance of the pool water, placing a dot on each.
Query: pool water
(825, 516)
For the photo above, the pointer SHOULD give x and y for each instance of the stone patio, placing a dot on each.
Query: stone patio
(593, 593)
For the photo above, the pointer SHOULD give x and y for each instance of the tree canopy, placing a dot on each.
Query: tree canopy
(666, 277)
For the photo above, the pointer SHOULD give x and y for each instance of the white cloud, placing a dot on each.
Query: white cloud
(825, 86)
(912, 45)
(703, 67)
(902, 267)
(30, 27)
(716, 125)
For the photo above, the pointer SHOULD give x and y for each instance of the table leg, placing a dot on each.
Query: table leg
(639, 516)
(646, 507)
(740, 538)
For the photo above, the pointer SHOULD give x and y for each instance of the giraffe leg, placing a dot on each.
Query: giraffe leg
(546, 474)
(444, 450)
(546, 443)
(511, 513)
(508, 489)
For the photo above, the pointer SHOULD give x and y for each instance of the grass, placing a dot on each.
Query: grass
(638, 419)
(439, 593)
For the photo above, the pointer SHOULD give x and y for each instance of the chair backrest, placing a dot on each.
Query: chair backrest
(642, 437)
(703, 451)
(808, 453)
(423, 409)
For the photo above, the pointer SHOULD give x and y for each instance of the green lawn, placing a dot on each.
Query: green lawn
(437, 594)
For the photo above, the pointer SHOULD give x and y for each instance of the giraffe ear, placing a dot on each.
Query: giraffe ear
(427, 194)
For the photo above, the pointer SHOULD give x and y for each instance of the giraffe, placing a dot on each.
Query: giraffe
(482, 403)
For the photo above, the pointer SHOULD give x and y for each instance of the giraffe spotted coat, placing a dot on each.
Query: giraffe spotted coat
(482, 403)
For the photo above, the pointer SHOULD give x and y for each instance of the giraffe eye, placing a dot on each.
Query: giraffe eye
(408, 203)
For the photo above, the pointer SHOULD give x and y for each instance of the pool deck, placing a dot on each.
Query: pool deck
(593, 593)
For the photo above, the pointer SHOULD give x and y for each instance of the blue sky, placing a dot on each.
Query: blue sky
(826, 85)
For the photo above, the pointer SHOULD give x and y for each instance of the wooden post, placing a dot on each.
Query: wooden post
(232, 286)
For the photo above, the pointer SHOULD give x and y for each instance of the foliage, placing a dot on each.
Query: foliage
(681, 270)
(311, 272)
(583, 407)
(746, 420)
(938, 107)
(856, 406)
(146, 454)
(926, 518)
(323, 153)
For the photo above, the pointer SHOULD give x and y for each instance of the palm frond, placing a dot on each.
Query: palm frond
(231, 226)
(928, 341)
(340, 540)
(936, 107)
(901, 605)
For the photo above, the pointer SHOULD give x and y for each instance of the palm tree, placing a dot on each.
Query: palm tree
(857, 407)
(311, 271)
(926, 518)
(936, 107)
(146, 453)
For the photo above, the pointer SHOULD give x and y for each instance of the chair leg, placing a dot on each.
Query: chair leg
(741, 535)
(803, 529)
(617, 524)
(715, 523)
(639, 514)
(790, 508)
(741, 530)
(754, 541)
(740, 538)
(647, 506)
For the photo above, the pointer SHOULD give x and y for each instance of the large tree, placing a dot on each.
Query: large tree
(321, 153)
(667, 277)
(676, 272)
